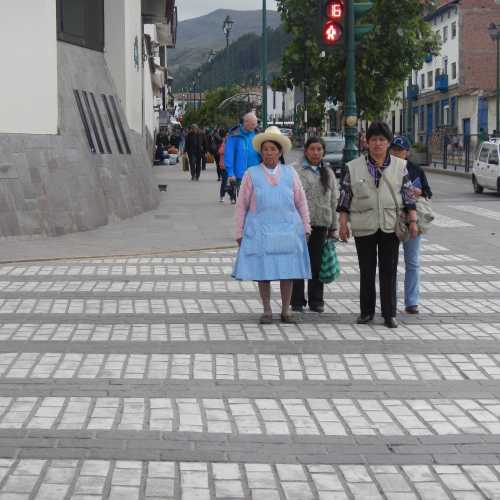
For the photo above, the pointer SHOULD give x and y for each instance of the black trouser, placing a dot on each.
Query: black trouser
(387, 246)
(195, 165)
(204, 161)
(315, 287)
(217, 164)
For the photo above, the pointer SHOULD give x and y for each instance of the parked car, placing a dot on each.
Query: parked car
(486, 170)
(288, 132)
(334, 154)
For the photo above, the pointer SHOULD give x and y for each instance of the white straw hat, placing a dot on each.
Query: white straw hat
(272, 134)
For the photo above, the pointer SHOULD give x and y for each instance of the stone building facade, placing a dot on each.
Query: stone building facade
(72, 139)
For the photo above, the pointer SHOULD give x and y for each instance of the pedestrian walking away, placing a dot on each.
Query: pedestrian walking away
(320, 187)
(400, 148)
(239, 153)
(225, 188)
(369, 190)
(195, 151)
(272, 225)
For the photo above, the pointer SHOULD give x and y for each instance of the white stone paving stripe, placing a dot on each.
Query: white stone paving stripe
(443, 221)
(261, 367)
(134, 480)
(348, 264)
(138, 287)
(237, 416)
(163, 306)
(247, 332)
(475, 210)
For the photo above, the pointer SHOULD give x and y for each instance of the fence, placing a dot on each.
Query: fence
(453, 151)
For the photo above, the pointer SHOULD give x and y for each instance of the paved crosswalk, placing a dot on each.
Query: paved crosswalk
(149, 378)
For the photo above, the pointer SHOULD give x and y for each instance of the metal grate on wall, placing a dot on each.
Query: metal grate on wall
(95, 125)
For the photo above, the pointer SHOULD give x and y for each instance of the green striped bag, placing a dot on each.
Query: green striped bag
(330, 265)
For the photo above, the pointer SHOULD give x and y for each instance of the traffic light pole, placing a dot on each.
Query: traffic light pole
(350, 108)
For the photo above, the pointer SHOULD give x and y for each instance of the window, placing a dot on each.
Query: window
(454, 71)
(445, 65)
(422, 81)
(438, 74)
(494, 157)
(274, 99)
(445, 34)
(429, 79)
(421, 120)
(81, 22)
(453, 29)
(483, 156)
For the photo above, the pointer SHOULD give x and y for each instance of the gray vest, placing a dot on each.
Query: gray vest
(373, 208)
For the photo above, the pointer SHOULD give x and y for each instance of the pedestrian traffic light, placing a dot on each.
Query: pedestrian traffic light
(360, 9)
(333, 15)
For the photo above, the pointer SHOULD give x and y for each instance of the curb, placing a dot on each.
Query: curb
(166, 253)
(451, 173)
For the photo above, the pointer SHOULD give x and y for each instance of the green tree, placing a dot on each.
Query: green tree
(211, 114)
(385, 57)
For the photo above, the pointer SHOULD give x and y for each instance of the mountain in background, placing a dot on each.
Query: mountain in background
(197, 37)
(240, 65)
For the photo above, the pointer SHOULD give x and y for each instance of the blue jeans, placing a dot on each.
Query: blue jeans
(412, 271)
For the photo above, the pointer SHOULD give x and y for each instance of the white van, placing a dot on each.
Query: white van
(486, 171)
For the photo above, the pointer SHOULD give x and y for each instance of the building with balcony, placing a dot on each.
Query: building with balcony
(76, 129)
(453, 91)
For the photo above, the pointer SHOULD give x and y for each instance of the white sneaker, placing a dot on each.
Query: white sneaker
(221, 200)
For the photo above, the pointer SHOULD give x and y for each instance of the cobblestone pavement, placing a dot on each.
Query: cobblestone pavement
(147, 377)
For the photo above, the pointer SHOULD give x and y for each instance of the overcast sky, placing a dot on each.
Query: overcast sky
(196, 8)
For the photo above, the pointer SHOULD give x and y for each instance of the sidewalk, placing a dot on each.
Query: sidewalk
(178, 224)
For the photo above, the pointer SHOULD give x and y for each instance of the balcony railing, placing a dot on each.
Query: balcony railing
(412, 92)
(442, 83)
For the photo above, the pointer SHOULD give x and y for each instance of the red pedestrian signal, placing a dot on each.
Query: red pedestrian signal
(332, 32)
(335, 9)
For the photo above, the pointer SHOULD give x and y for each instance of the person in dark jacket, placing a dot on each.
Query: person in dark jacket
(400, 147)
(195, 149)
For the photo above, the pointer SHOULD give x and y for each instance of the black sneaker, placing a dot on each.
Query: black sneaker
(299, 309)
(317, 309)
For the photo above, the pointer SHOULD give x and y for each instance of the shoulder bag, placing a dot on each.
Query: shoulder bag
(401, 227)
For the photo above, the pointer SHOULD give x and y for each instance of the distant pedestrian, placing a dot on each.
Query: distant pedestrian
(272, 224)
(400, 148)
(195, 151)
(239, 153)
(224, 187)
(368, 191)
(320, 187)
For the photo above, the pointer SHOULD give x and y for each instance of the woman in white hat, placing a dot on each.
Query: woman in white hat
(272, 224)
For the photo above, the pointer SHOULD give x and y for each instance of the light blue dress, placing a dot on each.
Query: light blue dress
(274, 245)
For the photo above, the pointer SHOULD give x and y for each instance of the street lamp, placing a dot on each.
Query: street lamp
(494, 31)
(264, 64)
(198, 74)
(227, 27)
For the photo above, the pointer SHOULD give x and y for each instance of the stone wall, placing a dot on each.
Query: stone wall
(53, 184)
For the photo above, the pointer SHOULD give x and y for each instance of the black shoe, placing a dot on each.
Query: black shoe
(390, 322)
(364, 319)
(412, 310)
(299, 309)
(317, 309)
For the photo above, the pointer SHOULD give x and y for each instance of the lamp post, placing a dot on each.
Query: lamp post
(264, 64)
(494, 31)
(227, 26)
(198, 74)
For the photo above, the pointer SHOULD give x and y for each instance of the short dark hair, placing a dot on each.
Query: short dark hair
(314, 140)
(379, 128)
